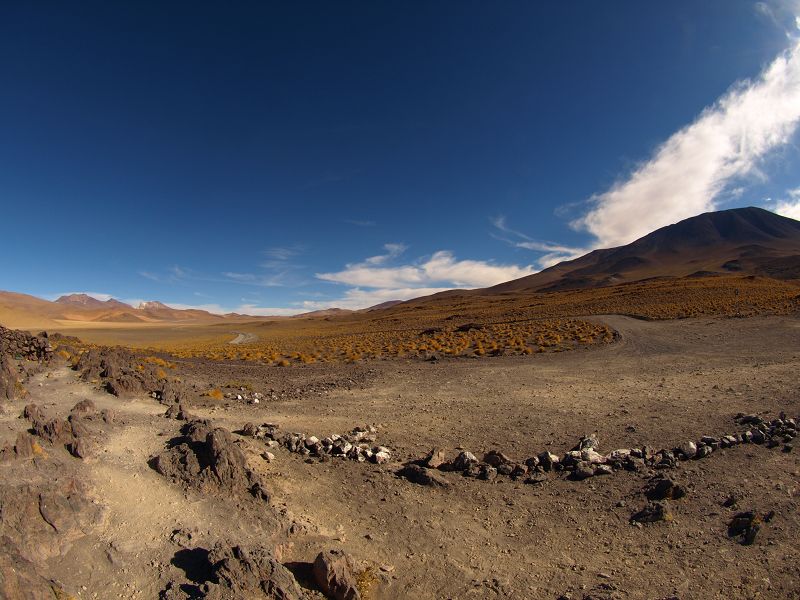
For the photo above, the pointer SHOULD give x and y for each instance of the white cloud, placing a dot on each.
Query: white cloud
(372, 281)
(357, 298)
(263, 311)
(789, 207)
(441, 268)
(688, 173)
(212, 308)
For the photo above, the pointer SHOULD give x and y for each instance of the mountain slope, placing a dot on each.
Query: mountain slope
(22, 310)
(86, 301)
(742, 240)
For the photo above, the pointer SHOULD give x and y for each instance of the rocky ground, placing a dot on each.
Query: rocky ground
(602, 473)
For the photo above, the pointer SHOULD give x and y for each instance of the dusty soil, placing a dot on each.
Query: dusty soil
(662, 383)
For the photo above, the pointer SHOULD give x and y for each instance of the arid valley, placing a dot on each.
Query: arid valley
(382, 300)
(591, 443)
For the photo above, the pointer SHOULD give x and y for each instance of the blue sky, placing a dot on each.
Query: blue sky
(281, 157)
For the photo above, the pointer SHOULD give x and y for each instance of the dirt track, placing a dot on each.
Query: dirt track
(661, 384)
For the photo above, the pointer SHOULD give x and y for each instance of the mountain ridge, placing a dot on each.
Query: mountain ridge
(747, 240)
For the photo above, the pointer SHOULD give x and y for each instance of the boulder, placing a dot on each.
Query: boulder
(652, 513)
(435, 458)
(487, 472)
(19, 577)
(422, 476)
(688, 450)
(250, 430)
(333, 573)
(249, 572)
(583, 470)
(588, 442)
(495, 458)
(464, 461)
(548, 461)
(84, 408)
(207, 458)
(663, 488)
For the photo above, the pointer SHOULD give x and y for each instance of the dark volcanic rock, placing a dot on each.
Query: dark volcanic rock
(170, 392)
(74, 433)
(44, 520)
(242, 572)
(435, 458)
(653, 512)
(333, 572)
(583, 470)
(207, 458)
(464, 461)
(19, 577)
(84, 408)
(21, 354)
(8, 378)
(422, 476)
(123, 374)
(663, 488)
(744, 526)
(179, 412)
(495, 458)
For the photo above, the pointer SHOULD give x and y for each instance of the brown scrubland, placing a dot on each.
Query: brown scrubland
(634, 440)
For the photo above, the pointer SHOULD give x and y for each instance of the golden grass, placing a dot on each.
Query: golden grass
(508, 324)
(215, 394)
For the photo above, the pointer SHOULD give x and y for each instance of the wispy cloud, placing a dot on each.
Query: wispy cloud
(283, 253)
(172, 274)
(358, 223)
(783, 14)
(392, 252)
(260, 280)
(689, 172)
(552, 252)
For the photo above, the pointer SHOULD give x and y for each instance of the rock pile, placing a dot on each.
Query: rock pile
(238, 572)
(354, 445)
(245, 395)
(16, 346)
(178, 411)
(585, 460)
(207, 458)
(123, 374)
(76, 433)
(22, 345)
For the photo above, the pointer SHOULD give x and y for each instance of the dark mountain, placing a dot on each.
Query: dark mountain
(750, 241)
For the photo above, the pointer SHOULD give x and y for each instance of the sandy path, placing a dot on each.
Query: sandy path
(130, 554)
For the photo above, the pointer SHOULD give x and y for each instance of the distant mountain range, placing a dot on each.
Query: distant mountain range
(25, 311)
(747, 241)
